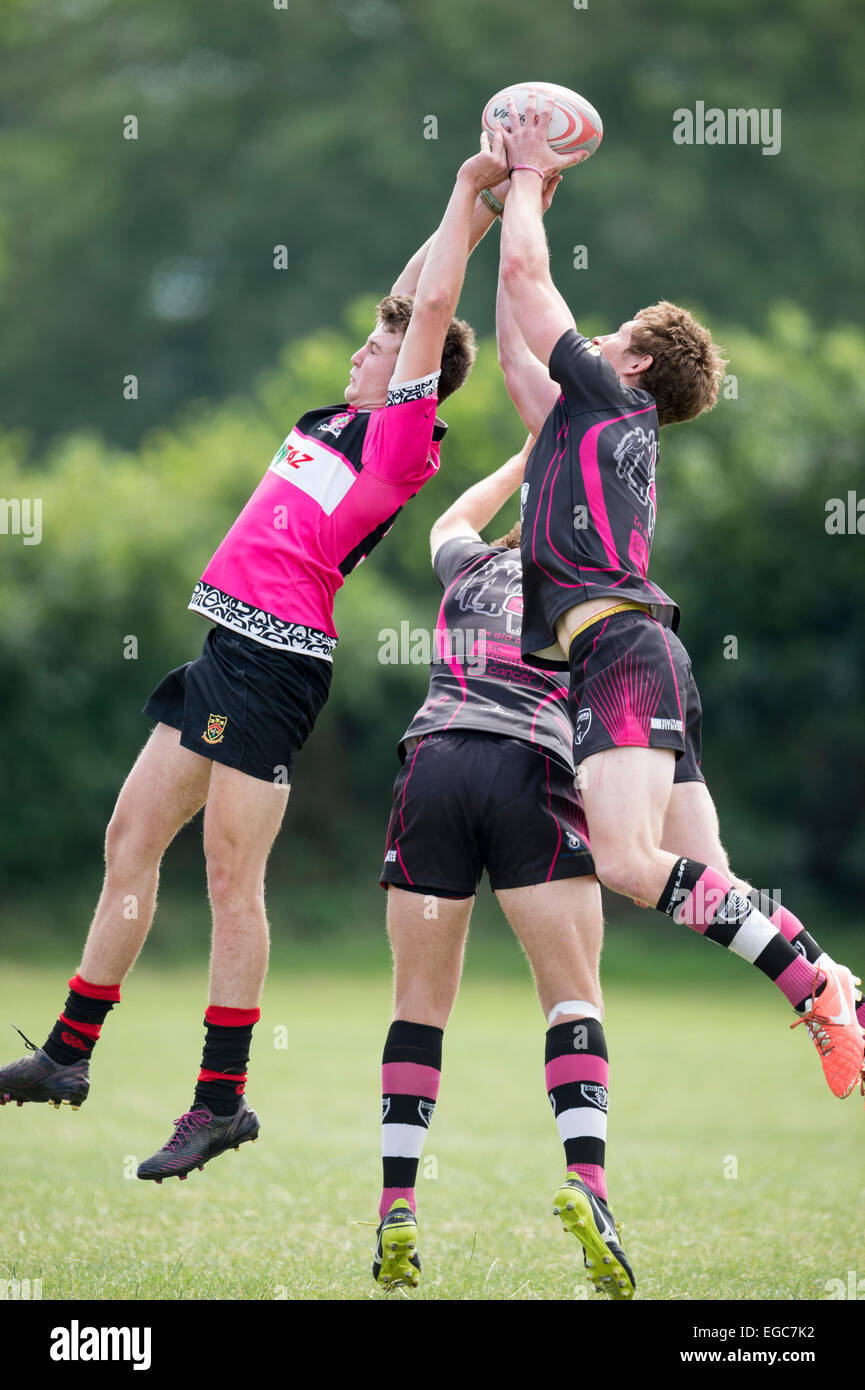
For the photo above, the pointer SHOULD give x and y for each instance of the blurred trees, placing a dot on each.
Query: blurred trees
(741, 542)
(303, 127)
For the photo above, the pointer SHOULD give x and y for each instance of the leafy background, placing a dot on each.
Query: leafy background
(304, 127)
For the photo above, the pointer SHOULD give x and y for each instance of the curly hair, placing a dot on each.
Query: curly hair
(458, 354)
(687, 367)
(511, 540)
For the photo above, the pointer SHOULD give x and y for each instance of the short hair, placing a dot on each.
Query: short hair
(687, 367)
(458, 354)
(511, 540)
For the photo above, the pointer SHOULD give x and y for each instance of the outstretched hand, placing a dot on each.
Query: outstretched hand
(526, 142)
(490, 166)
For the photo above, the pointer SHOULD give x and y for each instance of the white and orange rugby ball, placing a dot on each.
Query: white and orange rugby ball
(576, 125)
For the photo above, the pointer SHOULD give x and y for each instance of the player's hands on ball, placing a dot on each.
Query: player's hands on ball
(548, 192)
(490, 166)
(528, 144)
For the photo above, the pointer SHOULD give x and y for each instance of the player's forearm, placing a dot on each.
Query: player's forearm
(527, 380)
(406, 282)
(482, 220)
(441, 278)
(510, 343)
(525, 255)
(479, 504)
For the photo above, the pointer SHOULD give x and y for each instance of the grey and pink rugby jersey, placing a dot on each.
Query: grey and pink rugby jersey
(588, 501)
(333, 490)
(477, 679)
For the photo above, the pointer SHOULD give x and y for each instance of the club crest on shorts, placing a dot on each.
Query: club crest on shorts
(215, 728)
(594, 1093)
(583, 724)
(425, 1109)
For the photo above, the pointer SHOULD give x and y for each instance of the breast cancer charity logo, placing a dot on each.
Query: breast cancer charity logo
(215, 728)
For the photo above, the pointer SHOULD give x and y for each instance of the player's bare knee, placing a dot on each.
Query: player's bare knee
(129, 845)
(231, 878)
(621, 872)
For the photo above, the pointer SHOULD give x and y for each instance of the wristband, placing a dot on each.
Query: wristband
(531, 167)
(492, 202)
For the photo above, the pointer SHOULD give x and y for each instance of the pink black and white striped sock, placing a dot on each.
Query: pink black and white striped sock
(705, 900)
(410, 1074)
(792, 929)
(577, 1076)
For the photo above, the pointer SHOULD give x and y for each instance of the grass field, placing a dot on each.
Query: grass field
(706, 1081)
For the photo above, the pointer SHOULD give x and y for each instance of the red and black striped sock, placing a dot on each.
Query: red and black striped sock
(74, 1035)
(222, 1078)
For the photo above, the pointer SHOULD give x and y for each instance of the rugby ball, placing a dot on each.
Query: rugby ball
(576, 125)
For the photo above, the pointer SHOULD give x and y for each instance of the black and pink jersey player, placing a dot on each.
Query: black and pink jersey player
(487, 778)
(588, 518)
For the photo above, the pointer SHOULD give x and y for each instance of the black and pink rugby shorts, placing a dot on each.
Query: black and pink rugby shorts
(632, 686)
(468, 801)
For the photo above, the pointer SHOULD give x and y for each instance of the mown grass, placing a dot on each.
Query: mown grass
(706, 1082)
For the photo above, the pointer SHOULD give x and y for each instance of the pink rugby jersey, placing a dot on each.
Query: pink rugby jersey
(333, 490)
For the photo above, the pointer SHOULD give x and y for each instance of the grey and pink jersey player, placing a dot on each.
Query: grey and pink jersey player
(333, 490)
(477, 678)
(588, 501)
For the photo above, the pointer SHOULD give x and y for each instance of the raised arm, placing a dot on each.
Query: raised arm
(441, 278)
(528, 382)
(483, 218)
(541, 314)
(477, 506)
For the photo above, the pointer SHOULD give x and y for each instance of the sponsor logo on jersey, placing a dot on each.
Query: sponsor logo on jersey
(425, 1109)
(635, 457)
(215, 728)
(582, 726)
(674, 724)
(595, 1094)
(315, 468)
(734, 909)
(336, 425)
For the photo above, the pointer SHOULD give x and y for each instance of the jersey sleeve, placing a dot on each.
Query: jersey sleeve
(401, 444)
(454, 555)
(586, 377)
